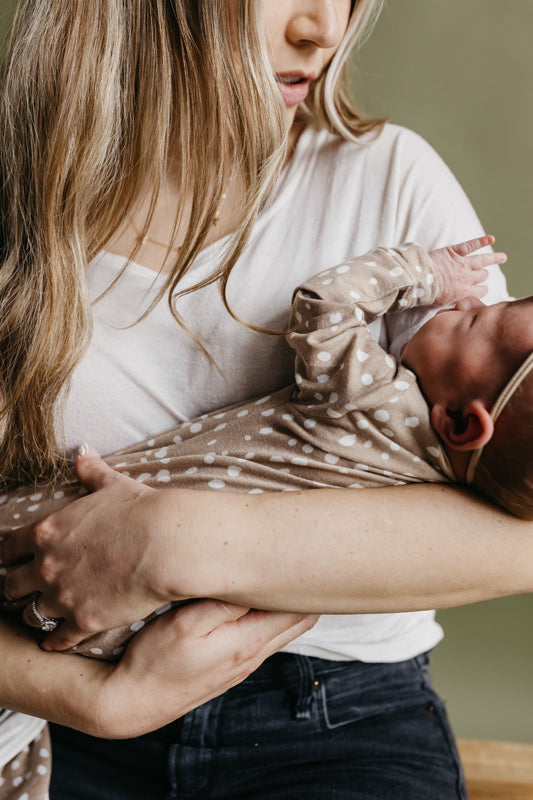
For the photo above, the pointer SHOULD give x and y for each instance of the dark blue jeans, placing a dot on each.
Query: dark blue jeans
(297, 729)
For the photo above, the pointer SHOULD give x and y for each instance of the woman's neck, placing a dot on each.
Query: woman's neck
(152, 247)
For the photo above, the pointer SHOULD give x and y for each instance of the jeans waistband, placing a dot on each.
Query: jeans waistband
(302, 677)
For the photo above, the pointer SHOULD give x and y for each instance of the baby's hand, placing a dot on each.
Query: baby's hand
(460, 274)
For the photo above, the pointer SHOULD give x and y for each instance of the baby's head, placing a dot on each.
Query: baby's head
(464, 359)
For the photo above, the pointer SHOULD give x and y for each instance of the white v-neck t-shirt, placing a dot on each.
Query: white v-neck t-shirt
(335, 200)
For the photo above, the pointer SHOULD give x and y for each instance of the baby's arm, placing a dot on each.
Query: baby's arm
(330, 317)
(332, 311)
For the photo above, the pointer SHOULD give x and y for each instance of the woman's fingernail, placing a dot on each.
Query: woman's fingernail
(85, 450)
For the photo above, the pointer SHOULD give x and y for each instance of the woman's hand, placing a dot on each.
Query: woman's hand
(95, 562)
(186, 657)
(460, 271)
(178, 662)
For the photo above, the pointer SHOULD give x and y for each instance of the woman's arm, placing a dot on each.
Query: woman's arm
(365, 551)
(202, 650)
(339, 551)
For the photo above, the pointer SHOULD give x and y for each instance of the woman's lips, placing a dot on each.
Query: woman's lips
(293, 86)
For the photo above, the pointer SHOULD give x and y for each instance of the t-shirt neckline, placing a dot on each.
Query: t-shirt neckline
(289, 179)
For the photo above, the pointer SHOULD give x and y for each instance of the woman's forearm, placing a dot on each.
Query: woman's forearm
(325, 551)
(58, 688)
(203, 649)
(352, 551)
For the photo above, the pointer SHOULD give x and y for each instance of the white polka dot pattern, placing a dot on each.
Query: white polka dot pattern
(359, 421)
(27, 776)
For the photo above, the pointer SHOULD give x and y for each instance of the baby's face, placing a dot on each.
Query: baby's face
(470, 351)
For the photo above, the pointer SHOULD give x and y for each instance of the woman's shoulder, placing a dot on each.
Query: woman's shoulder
(392, 165)
(391, 145)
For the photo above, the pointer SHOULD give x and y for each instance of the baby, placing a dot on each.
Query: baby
(455, 408)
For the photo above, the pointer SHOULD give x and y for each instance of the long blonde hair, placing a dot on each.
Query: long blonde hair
(91, 106)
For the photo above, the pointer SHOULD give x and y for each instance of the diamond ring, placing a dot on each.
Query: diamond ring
(47, 624)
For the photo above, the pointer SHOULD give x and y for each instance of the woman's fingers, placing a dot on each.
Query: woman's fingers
(66, 635)
(34, 614)
(88, 560)
(195, 620)
(230, 635)
(92, 471)
(203, 649)
(17, 547)
(235, 624)
(276, 629)
(246, 642)
(203, 617)
(23, 581)
(259, 628)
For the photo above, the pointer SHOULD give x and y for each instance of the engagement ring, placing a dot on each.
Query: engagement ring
(47, 624)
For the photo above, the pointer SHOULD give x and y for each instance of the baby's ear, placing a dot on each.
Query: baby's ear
(468, 429)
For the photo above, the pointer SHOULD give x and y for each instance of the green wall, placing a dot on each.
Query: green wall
(7, 8)
(460, 72)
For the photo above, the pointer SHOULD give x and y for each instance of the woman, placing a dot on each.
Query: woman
(157, 131)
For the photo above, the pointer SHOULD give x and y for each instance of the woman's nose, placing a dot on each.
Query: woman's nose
(318, 22)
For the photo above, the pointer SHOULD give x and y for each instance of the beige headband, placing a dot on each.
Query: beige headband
(501, 401)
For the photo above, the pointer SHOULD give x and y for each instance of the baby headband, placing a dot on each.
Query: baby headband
(501, 401)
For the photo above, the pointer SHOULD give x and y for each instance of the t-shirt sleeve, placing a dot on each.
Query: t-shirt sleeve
(433, 210)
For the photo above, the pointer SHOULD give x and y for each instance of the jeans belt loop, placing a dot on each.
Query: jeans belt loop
(302, 706)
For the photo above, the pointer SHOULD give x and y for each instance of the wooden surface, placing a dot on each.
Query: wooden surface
(497, 770)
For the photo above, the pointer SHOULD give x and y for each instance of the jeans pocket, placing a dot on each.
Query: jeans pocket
(364, 690)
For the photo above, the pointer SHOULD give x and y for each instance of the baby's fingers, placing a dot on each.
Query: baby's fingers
(472, 276)
(460, 270)
(470, 246)
(479, 291)
(480, 260)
